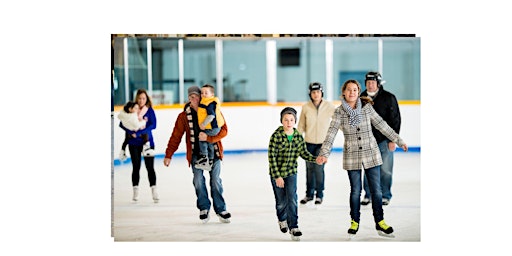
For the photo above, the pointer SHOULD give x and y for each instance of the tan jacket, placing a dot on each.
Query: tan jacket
(315, 123)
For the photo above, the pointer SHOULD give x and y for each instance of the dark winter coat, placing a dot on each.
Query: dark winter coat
(386, 105)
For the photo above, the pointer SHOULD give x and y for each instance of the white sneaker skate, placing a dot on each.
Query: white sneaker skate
(283, 226)
(224, 217)
(135, 193)
(204, 216)
(122, 156)
(147, 151)
(155, 194)
(295, 233)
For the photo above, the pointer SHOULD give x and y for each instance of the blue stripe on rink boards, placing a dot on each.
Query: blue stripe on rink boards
(246, 151)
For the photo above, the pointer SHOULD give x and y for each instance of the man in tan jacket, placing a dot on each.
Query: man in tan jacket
(313, 123)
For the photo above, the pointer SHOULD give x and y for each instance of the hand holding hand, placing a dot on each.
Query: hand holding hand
(321, 160)
(391, 146)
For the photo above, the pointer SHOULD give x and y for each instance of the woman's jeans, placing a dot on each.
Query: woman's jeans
(373, 176)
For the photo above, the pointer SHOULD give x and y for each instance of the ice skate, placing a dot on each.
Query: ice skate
(295, 233)
(283, 226)
(155, 194)
(135, 193)
(122, 156)
(305, 200)
(203, 163)
(354, 227)
(224, 217)
(204, 216)
(366, 201)
(384, 230)
(147, 151)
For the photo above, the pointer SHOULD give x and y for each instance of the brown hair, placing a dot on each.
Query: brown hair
(212, 88)
(148, 101)
(364, 99)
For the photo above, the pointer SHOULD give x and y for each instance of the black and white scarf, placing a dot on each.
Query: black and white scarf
(190, 118)
(354, 115)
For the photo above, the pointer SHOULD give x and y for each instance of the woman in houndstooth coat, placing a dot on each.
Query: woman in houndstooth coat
(355, 117)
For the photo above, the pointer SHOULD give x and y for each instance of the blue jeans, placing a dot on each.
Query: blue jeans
(373, 176)
(286, 201)
(314, 174)
(203, 201)
(386, 172)
(206, 147)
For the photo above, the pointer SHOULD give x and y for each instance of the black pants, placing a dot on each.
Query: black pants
(135, 153)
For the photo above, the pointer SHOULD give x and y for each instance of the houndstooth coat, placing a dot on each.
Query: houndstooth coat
(360, 149)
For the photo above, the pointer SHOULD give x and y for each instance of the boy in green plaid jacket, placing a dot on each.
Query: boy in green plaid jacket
(285, 146)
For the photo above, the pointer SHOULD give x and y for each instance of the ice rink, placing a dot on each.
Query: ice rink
(250, 200)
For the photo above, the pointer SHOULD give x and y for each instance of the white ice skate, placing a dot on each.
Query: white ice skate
(224, 217)
(295, 234)
(155, 194)
(204, 216)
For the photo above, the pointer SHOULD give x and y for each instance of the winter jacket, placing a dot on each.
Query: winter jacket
(360, 146)
(181, 126)
(315, 122)
(386, 105)
(150, 125)
(131, 120)
(283, 154)
(210, 107)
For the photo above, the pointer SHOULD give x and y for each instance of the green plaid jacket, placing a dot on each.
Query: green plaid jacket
(283, 154)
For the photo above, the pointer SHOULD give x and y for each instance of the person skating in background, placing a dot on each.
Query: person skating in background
(136, 145)
(285, 146)
(313, 123)
(187, 124)
(386, 105)
(210, 120)
(129, 117)
(355, 117)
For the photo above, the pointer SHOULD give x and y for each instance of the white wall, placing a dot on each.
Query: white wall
(249, 128)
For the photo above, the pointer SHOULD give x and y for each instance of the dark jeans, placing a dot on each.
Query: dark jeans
(286, 201)
(315, 176)
(373, 176)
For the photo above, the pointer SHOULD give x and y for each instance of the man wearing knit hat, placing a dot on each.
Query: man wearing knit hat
(186, 123)
(386, 105)
(314, 121)
(194, 90)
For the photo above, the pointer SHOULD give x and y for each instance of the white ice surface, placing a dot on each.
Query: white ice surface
(249, 198)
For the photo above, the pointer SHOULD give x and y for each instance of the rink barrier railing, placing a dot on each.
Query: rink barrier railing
(117, 162)
(260, 103)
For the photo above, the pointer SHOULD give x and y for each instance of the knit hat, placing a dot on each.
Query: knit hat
(194, 89)
(289, 110)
